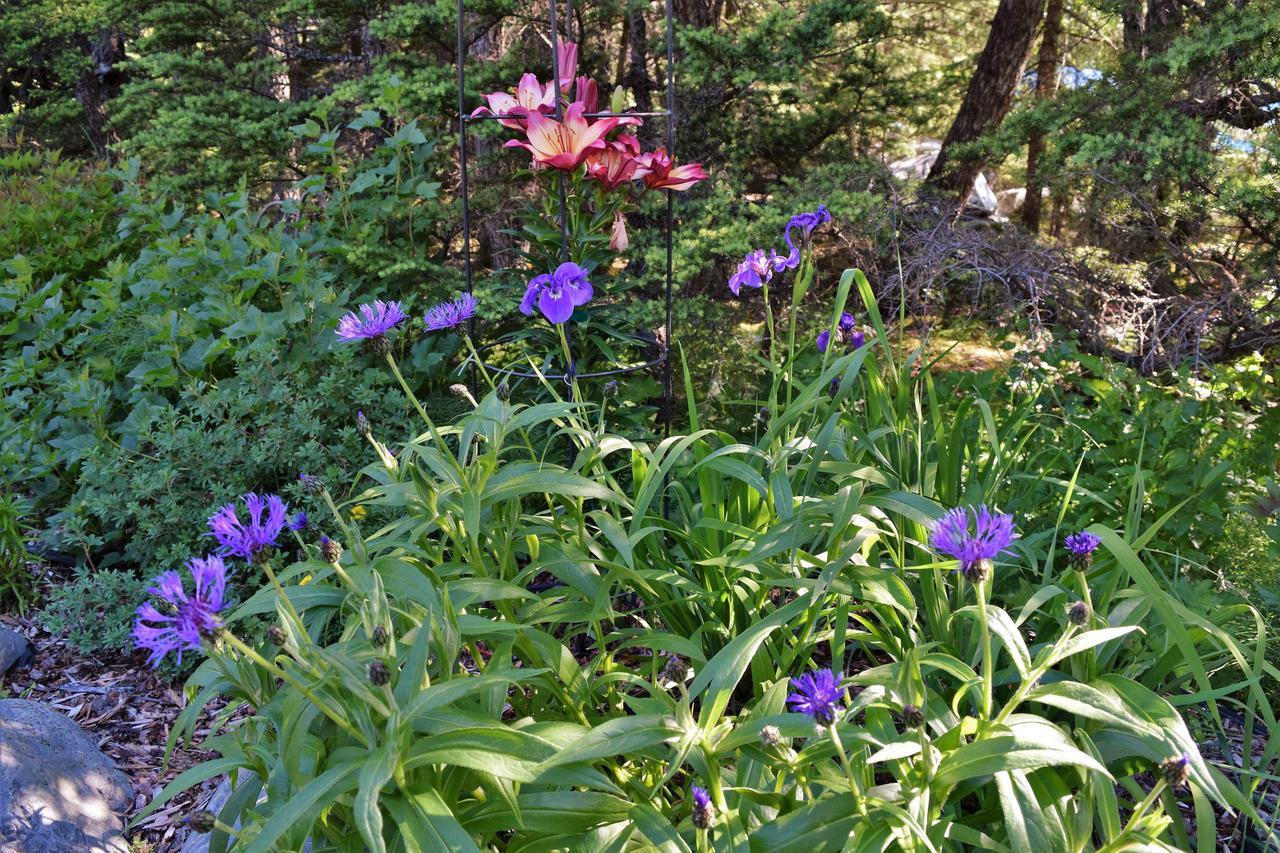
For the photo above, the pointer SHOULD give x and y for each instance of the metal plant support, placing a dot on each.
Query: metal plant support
(664, 355)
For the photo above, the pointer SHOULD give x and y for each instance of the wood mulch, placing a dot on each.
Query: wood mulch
(119, 701)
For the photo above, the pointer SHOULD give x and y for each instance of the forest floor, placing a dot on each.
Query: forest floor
(129, 711)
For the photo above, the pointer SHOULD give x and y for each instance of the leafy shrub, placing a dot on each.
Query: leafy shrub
(257, 429)
(165, 323)
(16, 584)
(94, 612)
(550, 649)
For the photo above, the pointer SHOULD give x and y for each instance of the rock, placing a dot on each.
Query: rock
(15, 650)
(981, 201)
(1010, 201)
(58, 792)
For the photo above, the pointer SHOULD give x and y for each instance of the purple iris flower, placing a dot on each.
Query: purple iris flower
(450, 315)
(975, 549)
(817, 695)
(191, 618)
(557, 294)
(805, 223)
(846, 330)
(299, 522)
(756, 269)
(370, 321)
(260, 534)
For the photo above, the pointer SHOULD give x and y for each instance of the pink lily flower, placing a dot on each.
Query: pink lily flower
(615, 163)
(658, 172)
(530, 97)
(564, 144)
(567, 64)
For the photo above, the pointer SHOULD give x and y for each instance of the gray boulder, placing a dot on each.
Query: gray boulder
(58, 792)
(15, 650)
(982, 199)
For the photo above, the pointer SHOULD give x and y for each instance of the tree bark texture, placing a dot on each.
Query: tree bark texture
(1047, 65)
(990, 94)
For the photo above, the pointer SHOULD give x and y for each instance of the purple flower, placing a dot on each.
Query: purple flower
(1083, 543)
(704, 814)
(701, 799)
(991, 536)
(370, 321)
(249, 540)
(558, 293)
(817, 695)
(450, 315)
(1080, 548)
(756, 268)
(846, 331)
(299, 522)
(805, 222)
(190, 619)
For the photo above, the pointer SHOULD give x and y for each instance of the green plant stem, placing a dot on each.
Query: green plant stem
(338, 719)
(284, 599)
(773, 362)
(475, 355)
(1028, 683)
(988, 663)
(1121, 841)
(431, 426)
(855, 778)
(570, 367)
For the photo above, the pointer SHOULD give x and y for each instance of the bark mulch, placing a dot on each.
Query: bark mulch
(118, 700)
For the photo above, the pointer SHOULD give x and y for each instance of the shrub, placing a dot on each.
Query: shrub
(16, 582)
(593, 647)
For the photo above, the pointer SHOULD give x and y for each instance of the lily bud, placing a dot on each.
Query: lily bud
(619, 240)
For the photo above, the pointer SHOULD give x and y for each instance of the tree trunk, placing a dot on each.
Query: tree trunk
(1135, 29)
(1046, 88)
(990, 93)
(98, 84)
(638, 78)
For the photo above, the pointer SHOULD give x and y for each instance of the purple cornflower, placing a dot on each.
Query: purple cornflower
(992, 535)
(1080, 548)
(192, 618)
(846, 331)
(251, 540)
(817, 695)
(557, 294)
(805, 222)
(299, 522)
(370, 321)
(450, 315)
(704, 814)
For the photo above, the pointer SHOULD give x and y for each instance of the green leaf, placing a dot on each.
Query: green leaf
(721, 674)
(368, 815)
(187, 779)
(1006, 752)
(302, 807)
(620, 736)
(426, 824)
